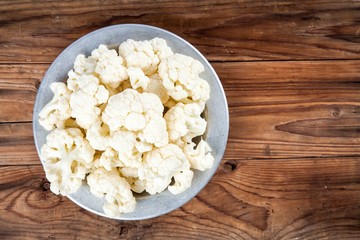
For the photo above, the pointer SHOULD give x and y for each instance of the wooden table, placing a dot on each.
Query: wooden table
(291, 72)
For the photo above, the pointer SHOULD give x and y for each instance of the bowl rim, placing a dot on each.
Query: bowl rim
(226, 121)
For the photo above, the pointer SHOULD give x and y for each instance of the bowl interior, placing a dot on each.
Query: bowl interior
(217, 114)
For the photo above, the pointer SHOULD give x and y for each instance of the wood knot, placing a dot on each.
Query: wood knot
(37, 84)
(230, 166)
(123, 231)
(45, 185)
(336, 114)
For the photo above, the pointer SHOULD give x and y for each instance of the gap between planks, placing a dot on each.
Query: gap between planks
(220, 61)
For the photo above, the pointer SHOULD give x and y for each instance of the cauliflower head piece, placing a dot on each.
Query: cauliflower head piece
(137, 112)
(65, 156)
(85, 99)
(138, 78)
(117, 191)
(57, 111)
(132, 177)
(156, 87)
(185, 121)
(199, 156)
(160, 165)
(145, 55)
(84, 65)
(109, 66)
(180, 75)
(98, 135)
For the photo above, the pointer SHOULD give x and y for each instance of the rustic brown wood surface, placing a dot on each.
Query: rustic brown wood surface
(291, 73)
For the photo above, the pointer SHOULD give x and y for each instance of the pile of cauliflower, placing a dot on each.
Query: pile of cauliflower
(125, 122)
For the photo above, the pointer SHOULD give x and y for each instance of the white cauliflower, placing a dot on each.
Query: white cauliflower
(117, 191)
(200, 158)
(137, 112)
(57, 111)
(180, 75)
(65, 155)
(160, 165)
(155, 131)
(140, 110)
(132, 177)
(84, 109)
(184, 121)
(137, 78)
(161, 49)
(201, 91)
(109, 66)
(144, 54)
(90, 85)
(182, 181)
(86, 97)
(124, 142)
(83, 65)
(98, 135)
(107, 159)
(155, 86)
(118, 108)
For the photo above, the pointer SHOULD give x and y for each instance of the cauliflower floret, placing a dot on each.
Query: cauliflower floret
(184, 120)
(57, 111)
(132, 177)
(200, 158)
(201, 91)
(137, 112)
(108, 159)
(161, 49)
(109, 66)
(118, 195)
(182, 181)
(87, 95)
(155, 86)
(65, 155)
(90, 85)
(84, 65)
(144, 54)
(118, 108)
(137, 78)
(160, 165)
(124, 142)
(180, 75)
(155, 131)
(84, 109)
(98, 135)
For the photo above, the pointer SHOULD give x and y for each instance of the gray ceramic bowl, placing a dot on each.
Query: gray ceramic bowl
(217, 114)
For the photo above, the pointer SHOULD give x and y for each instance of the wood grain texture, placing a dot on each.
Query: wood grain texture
(37, 31)
(292, 109)
(18, 87)
(277, 109)
(258, 199)
(17, 144)
(291, 73)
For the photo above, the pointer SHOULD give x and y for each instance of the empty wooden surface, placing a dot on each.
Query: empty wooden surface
(291, 73)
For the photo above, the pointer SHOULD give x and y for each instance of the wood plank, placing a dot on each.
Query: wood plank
(37, 31)
(244, 143)
(256, 199)
(18, 87)
(259, 83)
(292, 109)
(17, 144)
(277, 109)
